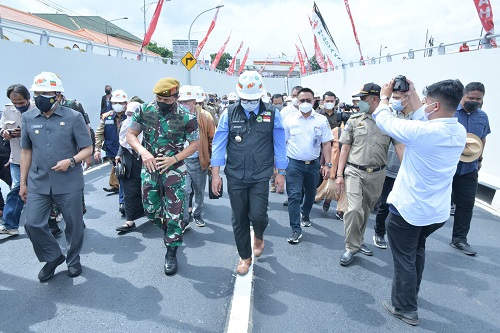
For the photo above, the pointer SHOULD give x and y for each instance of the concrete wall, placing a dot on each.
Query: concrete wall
(481, 65)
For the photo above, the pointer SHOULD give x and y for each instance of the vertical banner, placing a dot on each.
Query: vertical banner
(230, 70)
(321, 31)
(305, 54)
(292, 67)
(152, 25)
(301, 61)
(265, 63)
(202, 43)
(486, 16)
(353, 28)
(330, 63)
(319, 56)
(242, 66)
(219, 55)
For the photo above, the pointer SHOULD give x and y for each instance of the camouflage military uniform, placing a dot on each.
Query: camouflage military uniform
(163, 193)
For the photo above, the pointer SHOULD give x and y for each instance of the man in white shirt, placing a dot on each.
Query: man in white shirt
(293, 106)
(419, 201)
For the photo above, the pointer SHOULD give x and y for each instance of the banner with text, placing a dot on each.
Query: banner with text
(323, 35)
(301, 61)
(215, 62)
(230, 70)
(202, 43)
(485, 13)
(152, 25)
(242, 66)
(353, 28)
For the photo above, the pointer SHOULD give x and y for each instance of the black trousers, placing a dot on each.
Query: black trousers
(132, 187)
(249, 203)
(408, 254)
(383, 206)
(5, 176)
(464, 197)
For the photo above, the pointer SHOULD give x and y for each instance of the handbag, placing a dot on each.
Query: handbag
(211, 194)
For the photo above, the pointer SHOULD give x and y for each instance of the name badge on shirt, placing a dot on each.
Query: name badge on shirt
(36, 126)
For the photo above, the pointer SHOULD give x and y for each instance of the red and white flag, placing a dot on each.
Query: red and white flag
(353, 28)
(219, 55)
(265, 63)
(152, 25)
(230, 70)
(293, 66)
(242, 66)
(485, 13)
(204, 40)
(330, 63)
(319, 56)
(301, 61)
(305, 54)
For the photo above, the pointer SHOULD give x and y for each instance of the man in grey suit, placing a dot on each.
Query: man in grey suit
(54, 142)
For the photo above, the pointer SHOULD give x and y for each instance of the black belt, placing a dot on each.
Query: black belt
(305, 162)
(369, 170)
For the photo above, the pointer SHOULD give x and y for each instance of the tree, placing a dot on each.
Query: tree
(224, 62)
(314, 63)
(162, 51)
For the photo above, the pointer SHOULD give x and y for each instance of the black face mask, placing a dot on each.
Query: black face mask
(45, 104)
(23, 108)
(164, 107)
(107, 91)
(471, 106)
(231, 102)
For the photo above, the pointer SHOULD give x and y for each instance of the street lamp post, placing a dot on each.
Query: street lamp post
(107, 36)
(144, 10)
(380, 52)
(189, 35)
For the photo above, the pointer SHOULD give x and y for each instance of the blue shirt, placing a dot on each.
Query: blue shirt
(219, 143)
(476, 123)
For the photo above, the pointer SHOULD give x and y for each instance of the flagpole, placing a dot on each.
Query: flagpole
(189, 35)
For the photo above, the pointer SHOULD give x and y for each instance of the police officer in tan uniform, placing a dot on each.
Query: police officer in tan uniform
(361, 169)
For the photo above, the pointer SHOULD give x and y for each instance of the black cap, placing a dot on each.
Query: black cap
(369, 89)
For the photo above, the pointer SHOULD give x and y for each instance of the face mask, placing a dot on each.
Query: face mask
(279, 107)
(329, 106)
(231, 102)
(45, 103)
(164, 107)
(295, 101)
(186, 106)
(249, 107)
(211, 100)
(23, 108)
(224, 102)
(426, 115)
(397, 105)
(305, 107)
(107, 91)
(471, 106)
(364, 107)
(118, 107)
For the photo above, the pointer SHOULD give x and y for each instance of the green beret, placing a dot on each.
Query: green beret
(167, 87)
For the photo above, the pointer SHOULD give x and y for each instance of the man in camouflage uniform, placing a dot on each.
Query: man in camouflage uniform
(166, 127)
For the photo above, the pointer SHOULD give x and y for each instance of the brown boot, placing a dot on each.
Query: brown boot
(243, 266)
(258, 246)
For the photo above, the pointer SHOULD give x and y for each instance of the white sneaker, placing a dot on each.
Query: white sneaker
(12, 232)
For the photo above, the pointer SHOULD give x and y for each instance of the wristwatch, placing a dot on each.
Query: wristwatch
(384, 97)
(281, 172)
(328, 165)
(72, 162)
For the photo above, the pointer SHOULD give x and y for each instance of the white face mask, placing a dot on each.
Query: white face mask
(295, 101)
(305, 107)
(118, 107)
(425, 106)
(329, 106)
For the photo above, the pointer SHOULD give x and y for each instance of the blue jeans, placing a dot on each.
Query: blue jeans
(13, 203)
(300, 177)
(121, 198)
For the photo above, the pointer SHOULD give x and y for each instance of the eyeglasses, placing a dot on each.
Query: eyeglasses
(305, 100)
(253, 101)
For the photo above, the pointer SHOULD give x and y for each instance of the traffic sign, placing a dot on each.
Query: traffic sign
(188, 61)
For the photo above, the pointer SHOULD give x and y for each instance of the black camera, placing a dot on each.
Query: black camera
(400, 84)
(349, 107)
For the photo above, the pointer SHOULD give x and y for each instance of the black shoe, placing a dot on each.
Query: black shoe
(326, 206)
(305, 222)
(199, 221)
(75, 270)
(409, 317)
(339, 215)
(294, 237)
(285, 203)
(47, 271)
(126, 227)
(185, 226)
(54, 228)
(379, 241)
(363, 249)
(111, 189)
(346, 258)
(464, 247)
(171, 260)
(122, 209)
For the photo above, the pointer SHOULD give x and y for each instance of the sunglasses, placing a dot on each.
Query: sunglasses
(253, 101)
(305, 100)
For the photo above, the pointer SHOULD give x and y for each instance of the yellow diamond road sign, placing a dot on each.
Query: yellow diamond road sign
(188, 61)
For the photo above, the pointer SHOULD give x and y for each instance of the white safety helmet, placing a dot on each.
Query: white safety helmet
(187, 93)
(250, 85)
(119, 96)
(47, 81)
(264, 97)
(131, 107)
(201, 96)
(232, 96)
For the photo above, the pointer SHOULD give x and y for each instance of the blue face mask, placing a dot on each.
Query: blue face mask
(23, 108)
(397, 105)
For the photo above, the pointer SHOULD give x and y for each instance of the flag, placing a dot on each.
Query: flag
(219, 55)
(204, 40)
(152, 25)
(293, 66)
(330, 63)
(242, 66)
(230, 70)
(301, 61)
(265, 63)
(353, 28)
(486, 16)
(305, 54)
(319, 56)
(323, 35)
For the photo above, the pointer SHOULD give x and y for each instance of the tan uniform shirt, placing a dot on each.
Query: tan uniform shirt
(369, 145)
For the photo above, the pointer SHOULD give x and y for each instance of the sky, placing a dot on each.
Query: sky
(271, 27)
